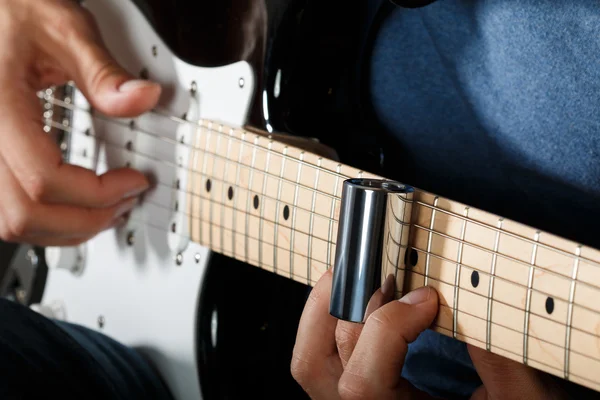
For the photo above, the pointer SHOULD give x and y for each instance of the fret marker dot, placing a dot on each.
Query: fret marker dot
(208, 185)
(475, 279)
(549, 305)
(286, 213)
(230, 193)
(256, 202)
(414, 258)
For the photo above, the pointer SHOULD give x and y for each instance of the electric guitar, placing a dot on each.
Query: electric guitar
(228, 188)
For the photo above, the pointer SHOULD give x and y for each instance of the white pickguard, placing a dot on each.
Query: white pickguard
(139, 292)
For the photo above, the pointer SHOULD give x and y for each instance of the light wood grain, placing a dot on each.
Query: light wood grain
(518, 267)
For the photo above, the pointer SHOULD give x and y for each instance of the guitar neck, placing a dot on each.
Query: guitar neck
(506, 287)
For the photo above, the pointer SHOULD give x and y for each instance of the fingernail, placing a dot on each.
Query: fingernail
(388, 286)
(135, 84)
(126, 207)
(135, 192)
(420, 295)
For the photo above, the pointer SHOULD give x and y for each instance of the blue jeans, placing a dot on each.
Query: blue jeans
(42, 358)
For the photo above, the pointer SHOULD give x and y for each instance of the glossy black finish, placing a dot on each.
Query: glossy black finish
(312, 46)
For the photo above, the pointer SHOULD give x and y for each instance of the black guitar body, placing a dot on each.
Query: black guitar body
(304, 53)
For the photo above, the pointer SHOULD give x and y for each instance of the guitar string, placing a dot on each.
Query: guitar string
(224, 205)
(306, 187)
(483, 297)
(303, 279)
(175, 166)
(212, 130)
(554, 273)
(326, 218)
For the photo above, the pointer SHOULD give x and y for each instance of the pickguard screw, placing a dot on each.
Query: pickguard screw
(154, 51)
(179, 259)
(241, 82)
(130, 238)
(194, 88)
(101, 321)
(197, 258)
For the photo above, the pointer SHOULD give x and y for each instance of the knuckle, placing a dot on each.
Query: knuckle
(381, 319)
(354, 387)
(16, 224)
(301, 370)
(36, 187)
(346, 337)
(69, 20)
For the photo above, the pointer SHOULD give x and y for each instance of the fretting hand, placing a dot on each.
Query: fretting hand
(335, 359)
(45, 201)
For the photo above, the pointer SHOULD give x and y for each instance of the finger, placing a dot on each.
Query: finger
(374, 370)
(347, 333)
(54, 240)
(315, 362)
(508, 379)
(77, 45)
(24, 218)
(42, 173)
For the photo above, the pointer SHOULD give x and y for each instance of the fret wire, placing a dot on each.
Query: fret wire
(434, 325)
(164, 113)
(196, 138)
(590, 261)
(162, 228)
(250, 178)
(330, 234)
(420, 227)
(235, 203)
(488, 333)
(204, 162)
(466, 289)
(512, 283)
(140, 154)
(570, 312)
(310, 228)
(177, 119)
(293, 224)
(279, 272)
(429, 240)
(506, 257)
(528, 301)
(234, 209)
(457, 275)
(400, 247)
(465, 312)
(262, 205)
(495, 323)
(223, 191)
(210, 215)
(513, 235)
(277, 210)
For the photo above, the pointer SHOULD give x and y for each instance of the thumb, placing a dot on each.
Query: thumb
(508, 379)
(108, 87)
(374, 369)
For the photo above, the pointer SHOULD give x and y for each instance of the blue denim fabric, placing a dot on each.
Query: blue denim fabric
(43, 358)
(495, 103)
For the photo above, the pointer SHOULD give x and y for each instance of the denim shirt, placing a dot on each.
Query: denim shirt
(494, 103)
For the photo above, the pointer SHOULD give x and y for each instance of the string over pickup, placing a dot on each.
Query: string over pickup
(371, 242)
